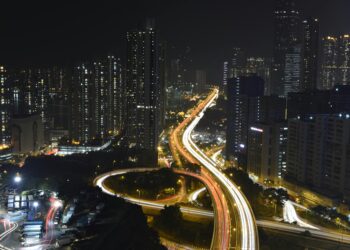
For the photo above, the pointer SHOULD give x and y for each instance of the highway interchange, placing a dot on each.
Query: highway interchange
(235, 226)
(245, 222)
(205, 214)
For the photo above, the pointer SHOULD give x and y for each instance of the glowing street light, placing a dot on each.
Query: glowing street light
(57, 204)
(17, 178)
(35, 204)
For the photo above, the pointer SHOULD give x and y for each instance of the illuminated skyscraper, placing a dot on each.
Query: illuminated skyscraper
(335, 61)
(98, 97)
(344, 60)
(267, 145)
(30, 105)
(142, 88)
(286, 47)
(261, 67)
(238, 63)
(242, 92)
(225, 74)
(330, 56)
(81, 103)
(42, 81)
(59, 98)
(97, 101)
(163, 82)
(4, 107)
(115, 95)
(310, 29)
(292, 70)
(318, 153)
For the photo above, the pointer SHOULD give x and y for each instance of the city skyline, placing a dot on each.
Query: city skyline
(37, 34)
(175, 125)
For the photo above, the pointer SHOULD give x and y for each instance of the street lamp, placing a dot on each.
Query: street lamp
(57, 203)
(338, 222)
(138, 190)
(17, 178)
(35, 204)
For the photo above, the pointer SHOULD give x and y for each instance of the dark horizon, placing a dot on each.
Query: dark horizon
(38, 34)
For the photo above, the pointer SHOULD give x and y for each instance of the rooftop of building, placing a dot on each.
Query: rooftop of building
(313, 117)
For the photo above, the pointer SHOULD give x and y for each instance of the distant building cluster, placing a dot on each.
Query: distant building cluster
(302, 60)
(241, 65)
(90, 102)
(80, 104)
(81, 107)
(288, 117)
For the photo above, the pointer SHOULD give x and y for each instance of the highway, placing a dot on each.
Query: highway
(155, 205)
(224, 233)
(12, 227)
(205, 214)
(8, 230)
(214, 157)
(235, 198)
(234, 224)
(322, 234)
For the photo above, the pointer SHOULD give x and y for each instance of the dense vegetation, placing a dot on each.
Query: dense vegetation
(148, 185)
(265, 203)
(171, 225)
(120, 225)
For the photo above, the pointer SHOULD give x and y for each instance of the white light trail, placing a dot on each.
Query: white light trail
(13, 227)
(193, 196)
(209, 214)
(248, 226)
(214, 157)
(290, 216)
(99, 181)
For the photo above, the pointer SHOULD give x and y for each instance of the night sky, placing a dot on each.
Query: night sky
(57, 32)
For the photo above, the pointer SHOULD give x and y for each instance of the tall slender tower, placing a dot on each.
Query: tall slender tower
(115, 95)
(142, 88)
(224, 74)
(329, 62)
(310, 31)
(242, 92)
(344, 59)
(97, 99)
(81, 103)
(286, 43)
(163, 82)
(292, 70)
(4, 108)
(238, 62)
